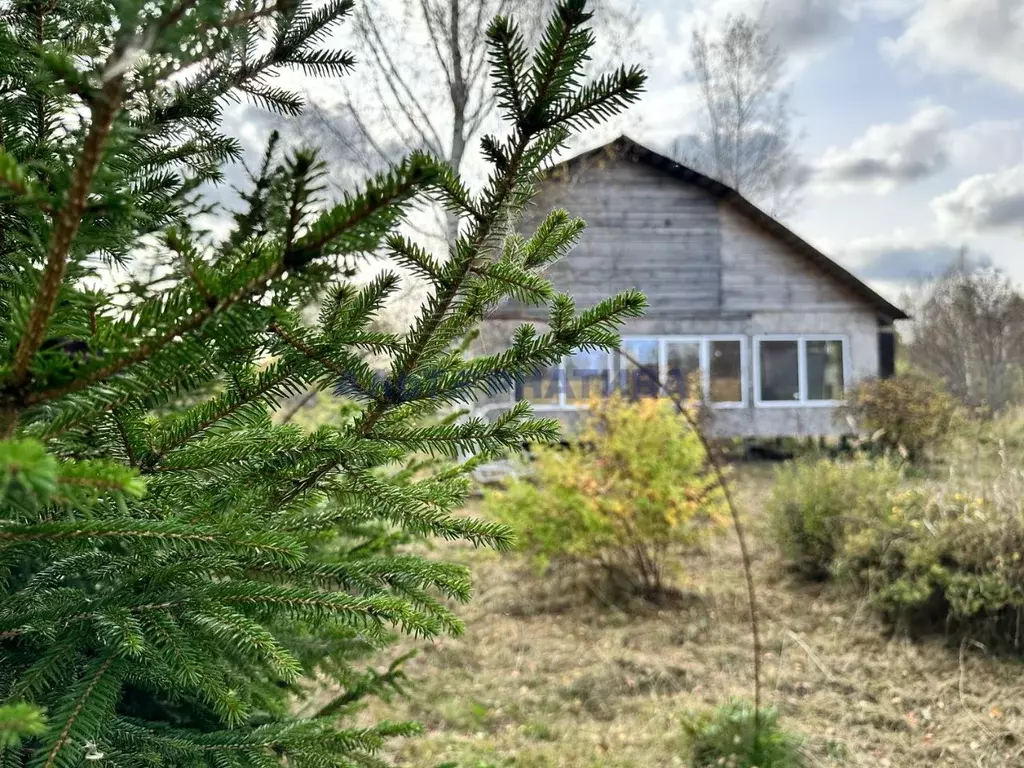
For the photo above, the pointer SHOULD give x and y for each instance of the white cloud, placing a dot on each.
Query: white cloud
(881, 9)
(888, 155)
(897, 264)
(803, 29)
(983, 37)
(988, 145)
(988, 201)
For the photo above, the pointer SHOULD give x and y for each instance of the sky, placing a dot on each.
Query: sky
(911, 114)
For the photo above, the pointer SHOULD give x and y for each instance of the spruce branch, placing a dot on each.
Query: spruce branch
(549, 74)
(247, 17)
(167, 522)
(19, 182)
(378, 205)
(69, 219)
(197, 420)
(309, 352)
(280, 547)
(62, 739)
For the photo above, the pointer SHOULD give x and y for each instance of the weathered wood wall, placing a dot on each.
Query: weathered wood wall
(706, 269)
(644, 228)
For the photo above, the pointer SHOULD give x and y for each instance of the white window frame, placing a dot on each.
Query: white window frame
(562, 405)
(705, 369)
(801, 340)
(704, 343)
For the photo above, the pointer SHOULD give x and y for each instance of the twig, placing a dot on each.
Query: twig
(810, 654)
(129, 451)
(65, 734)
(719, 472)
(307, 351)
(290, 413)
(960, 688)
(405, 98)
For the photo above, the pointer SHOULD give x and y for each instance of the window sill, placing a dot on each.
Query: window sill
(799, 403)
(585, 407)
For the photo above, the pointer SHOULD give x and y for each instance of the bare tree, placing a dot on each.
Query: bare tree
(969, 331)
(424, 64)
(745, 138)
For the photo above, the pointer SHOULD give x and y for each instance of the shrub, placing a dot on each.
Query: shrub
(636, 484)
(731, 736)
(813, 503)
(947, 560)
(910, 413)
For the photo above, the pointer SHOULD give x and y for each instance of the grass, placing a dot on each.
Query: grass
(548, 675)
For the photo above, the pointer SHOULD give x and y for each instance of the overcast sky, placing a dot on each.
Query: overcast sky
(912, 113)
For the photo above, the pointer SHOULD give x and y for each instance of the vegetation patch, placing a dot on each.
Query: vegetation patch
(948, 560)
(734, 736)
(814, 502)
(911, 414)
(598, 691)
(858, 694)
(620, 505)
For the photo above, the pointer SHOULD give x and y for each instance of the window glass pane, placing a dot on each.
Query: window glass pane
(780, 370)
(726, 366)
(541, 388)
(824, 370)
(683, 364)
(635, 382)
(586, 376)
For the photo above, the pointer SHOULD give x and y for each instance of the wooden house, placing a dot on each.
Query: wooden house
(774, 330)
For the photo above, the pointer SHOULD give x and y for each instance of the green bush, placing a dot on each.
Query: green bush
(947, 561)
(814, 501)
(732, 737)
(911, 413)
(637, 484)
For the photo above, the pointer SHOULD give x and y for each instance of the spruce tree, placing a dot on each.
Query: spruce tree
(173, 564)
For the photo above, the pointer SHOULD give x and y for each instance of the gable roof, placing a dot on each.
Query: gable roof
(628, 148)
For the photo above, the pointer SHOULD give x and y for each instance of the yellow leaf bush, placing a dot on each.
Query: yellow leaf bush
(634, 488)
(911, 413)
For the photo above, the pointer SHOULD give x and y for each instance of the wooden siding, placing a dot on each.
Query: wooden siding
(645, 230)
(706, 269)
(761, 273)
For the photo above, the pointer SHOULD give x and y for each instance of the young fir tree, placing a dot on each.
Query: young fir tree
(169, 575)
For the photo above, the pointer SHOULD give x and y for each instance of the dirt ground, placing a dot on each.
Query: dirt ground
(547, 675)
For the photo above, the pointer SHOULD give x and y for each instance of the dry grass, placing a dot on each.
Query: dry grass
(547, 675)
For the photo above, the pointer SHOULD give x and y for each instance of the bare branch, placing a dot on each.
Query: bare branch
(434, 30)
(436, 84)
(396, 82)
(746, 140)
(737, 521)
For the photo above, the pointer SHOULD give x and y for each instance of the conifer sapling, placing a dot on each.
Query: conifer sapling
(173, 564)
